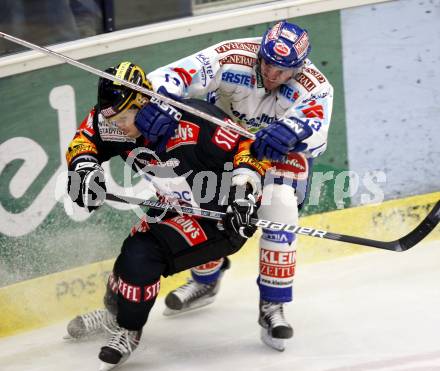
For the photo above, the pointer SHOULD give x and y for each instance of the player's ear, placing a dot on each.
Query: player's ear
(145, 100)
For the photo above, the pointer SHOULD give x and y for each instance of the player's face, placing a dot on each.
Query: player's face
(274, 76)
(125, 122)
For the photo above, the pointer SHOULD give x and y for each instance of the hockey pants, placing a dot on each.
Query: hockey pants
(160, 249)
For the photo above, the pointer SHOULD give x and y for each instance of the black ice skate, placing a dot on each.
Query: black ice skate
(189, 296)
(89, 324)
(121, 344)
(275, 329)
(193, 295)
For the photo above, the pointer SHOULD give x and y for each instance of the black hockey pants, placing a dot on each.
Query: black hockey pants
(161, 249)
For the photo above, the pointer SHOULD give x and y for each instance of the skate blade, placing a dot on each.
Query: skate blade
(104, 366)
(277, 344)
(168, 312)
(69, 338)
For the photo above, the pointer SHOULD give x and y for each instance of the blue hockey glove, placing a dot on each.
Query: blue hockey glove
(279, 138)
(157, 121)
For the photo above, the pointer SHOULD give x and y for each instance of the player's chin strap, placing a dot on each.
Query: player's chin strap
(402, 244)
(228, 125)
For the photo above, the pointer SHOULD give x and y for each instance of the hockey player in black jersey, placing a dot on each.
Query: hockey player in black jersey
(215, 171)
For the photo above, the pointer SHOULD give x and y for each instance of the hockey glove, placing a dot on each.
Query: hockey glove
(279, 138)
(86, 185)
(158, 121)
(242, 207)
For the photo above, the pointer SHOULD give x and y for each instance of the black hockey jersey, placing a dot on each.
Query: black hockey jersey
(196, 166)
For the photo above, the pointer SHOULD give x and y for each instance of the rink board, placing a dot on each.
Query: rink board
(55, 297)
(39, 233)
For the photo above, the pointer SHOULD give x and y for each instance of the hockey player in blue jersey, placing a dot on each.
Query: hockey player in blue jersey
(270, 87)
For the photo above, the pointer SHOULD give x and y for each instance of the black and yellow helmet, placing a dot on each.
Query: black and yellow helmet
(113, 97)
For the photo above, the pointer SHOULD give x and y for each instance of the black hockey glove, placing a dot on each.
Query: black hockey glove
(242, 207)
(86, 185)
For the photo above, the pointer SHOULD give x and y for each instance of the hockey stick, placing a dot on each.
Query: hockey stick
(402, 244)
(231, 126)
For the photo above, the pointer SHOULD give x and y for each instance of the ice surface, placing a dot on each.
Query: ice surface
(375, 311)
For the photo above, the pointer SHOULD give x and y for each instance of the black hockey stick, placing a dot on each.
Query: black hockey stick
(402, 244)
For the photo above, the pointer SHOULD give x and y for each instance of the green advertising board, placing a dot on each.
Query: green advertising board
(40, 112)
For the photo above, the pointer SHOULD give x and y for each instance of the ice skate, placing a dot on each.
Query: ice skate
(193, 294)
(89, 324)
(275, 329)
(121, 344)
(189, 296)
